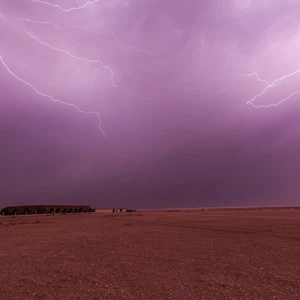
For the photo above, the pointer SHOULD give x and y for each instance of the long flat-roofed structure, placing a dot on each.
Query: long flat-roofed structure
(45, 209)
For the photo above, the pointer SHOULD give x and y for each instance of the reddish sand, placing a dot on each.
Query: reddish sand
(152, 255)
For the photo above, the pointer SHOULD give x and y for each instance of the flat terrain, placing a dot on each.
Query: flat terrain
(210, 254)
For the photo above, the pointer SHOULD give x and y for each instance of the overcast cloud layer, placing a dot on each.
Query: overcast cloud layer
(171, 83)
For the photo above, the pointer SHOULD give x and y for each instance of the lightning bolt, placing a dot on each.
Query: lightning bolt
(148, 53)
(219, 79)
(257, 77)
(51, 98)
(272, 85)
(273, 104)
(65, 10)
(6, 20)
(210, 82)
(267, 84)
(63, 51)
(75, 57)
(20, 64)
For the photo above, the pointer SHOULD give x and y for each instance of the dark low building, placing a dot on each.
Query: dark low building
(115, 210)
(45, 209)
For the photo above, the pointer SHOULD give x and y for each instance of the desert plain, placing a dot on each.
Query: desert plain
(172, 254)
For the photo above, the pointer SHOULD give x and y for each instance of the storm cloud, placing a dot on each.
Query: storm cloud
(174, 84)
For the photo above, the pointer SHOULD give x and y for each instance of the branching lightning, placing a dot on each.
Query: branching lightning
(6, 20)
(76, 57)
(270, 86)
(250, 73)
(207, 83)
(50, 97)
(267, 84)
(210, 81)
(20, 64)
(256, 76)
(273, 104)
(65, 10)
(6, 62)
(99, 33)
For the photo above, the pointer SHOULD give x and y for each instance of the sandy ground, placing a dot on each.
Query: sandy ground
(212, 254)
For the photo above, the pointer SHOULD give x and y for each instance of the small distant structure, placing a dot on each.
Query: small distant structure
(130, 210)
(45, 209)
(115, 210)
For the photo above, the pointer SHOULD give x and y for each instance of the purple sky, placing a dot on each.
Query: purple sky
(173, 83)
